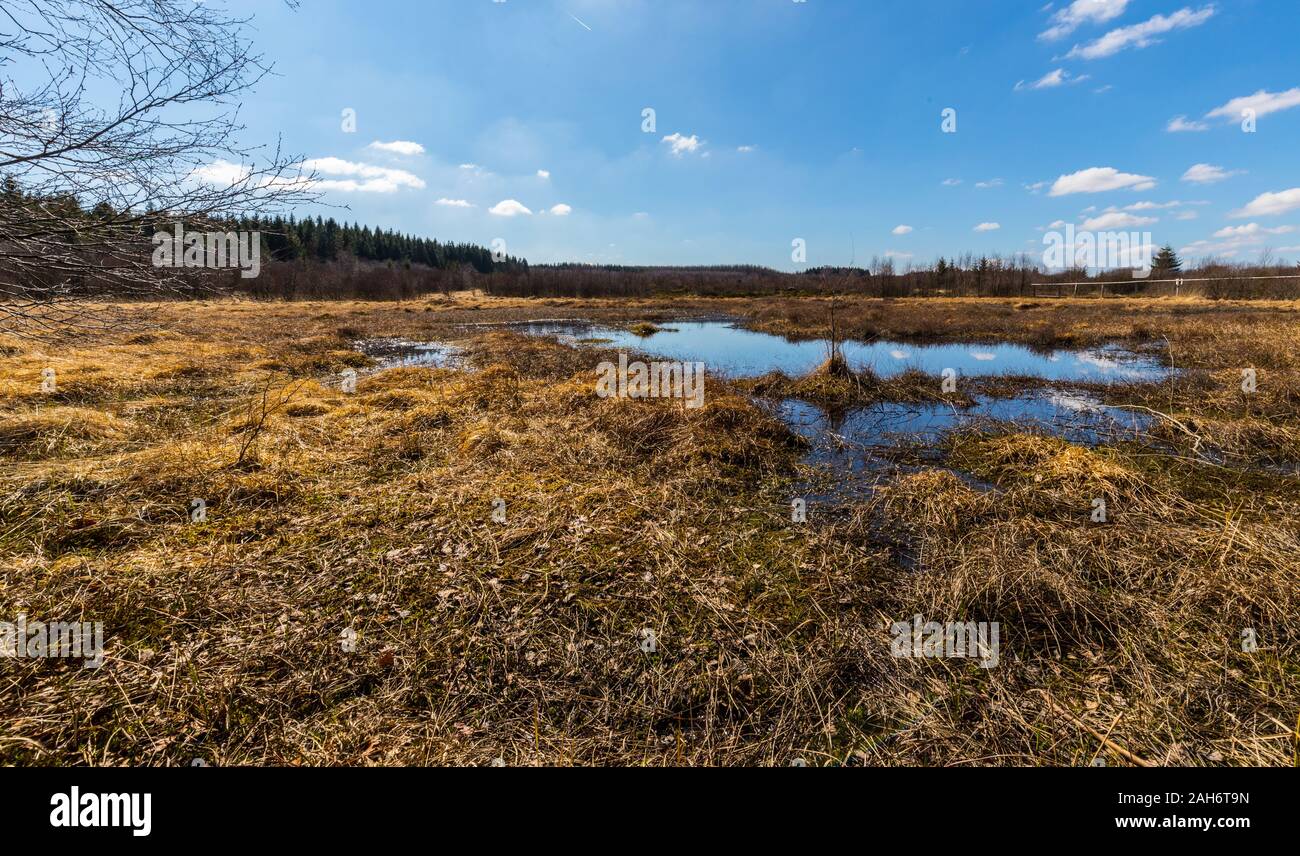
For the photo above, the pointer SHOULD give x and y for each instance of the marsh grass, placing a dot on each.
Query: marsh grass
(521, 640)
(835, 384)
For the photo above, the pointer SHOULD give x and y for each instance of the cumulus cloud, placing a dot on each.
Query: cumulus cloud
(543, 174)
(561, 210)
(220, 173)
(902, 230)
(398, 147)
(1269, 204)
(1116, 220)
(1081, 12)
(360, 177)
(988, 227)
(1235, 240)
(1099, 179)
(509, 208)
(454, 203)
(1252, 230)
(1180, 124)
(1142, 35)
(681, 145)
(1156, 206)
(1262, 102)
(1204, 173)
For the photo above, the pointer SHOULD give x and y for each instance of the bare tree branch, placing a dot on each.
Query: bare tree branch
(117, 119)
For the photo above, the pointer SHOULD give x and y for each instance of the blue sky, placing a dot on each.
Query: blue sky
(778, 120)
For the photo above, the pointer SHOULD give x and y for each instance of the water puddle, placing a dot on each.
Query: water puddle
(1073, 417)
(865, 447)
(725, 348)
(400, 353)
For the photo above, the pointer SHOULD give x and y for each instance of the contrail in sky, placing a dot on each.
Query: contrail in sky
(575, 17)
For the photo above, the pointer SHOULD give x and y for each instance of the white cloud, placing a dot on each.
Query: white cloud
(988, 185)
(988, 227)
(902, 230)
(1252, 230)
(1116, 220)
(681, 144)
(1236, 240)
(1262, 102)
(894, 254)
(561, 210)
(1158, 206)
(1269, 204)
(1204, 173)
(1099, 179)
(509, 208)
(1052, 79)
(361, 177)
(398, 147)
(951, 182)
(746, 149)
(1149, 206)
(1186, 215)
(544, 174)
(1036, 186)
(469, 166)
(1142, 35)
(1081, 12)
(1057, 224)
(1179, 124)
(220, 173)
(454, 203)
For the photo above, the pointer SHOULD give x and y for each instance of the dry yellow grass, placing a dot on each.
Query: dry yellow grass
(480, 638)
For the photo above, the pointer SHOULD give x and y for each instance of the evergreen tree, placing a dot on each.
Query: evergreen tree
(1167, 261)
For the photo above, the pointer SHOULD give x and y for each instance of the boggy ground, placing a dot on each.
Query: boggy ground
(351, 599)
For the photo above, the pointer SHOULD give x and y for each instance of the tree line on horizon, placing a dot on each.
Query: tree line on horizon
(322, 258)
(968, 275)
(326, 240)
(284, 239)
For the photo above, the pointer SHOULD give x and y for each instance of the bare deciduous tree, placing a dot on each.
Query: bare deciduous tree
(119, 117)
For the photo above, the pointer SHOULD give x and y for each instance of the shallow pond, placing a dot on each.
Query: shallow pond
(857, 441)
(725, 348)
